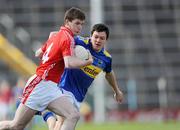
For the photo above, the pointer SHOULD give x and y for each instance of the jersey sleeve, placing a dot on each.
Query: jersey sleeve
(67, 48)
(108, 67)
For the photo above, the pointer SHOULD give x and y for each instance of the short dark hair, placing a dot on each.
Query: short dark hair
(74, 13)
(100, 28)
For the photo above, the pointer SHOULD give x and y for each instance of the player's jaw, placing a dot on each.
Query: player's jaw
(98, 40)
(97, 45)
(75, 26)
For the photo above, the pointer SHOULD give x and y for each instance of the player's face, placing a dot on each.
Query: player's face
(98, 40)
(75, 26)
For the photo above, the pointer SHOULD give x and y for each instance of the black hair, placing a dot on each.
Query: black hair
(100, 28)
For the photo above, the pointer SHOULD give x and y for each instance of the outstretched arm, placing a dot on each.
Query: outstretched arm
(110, 77)
(39, 53)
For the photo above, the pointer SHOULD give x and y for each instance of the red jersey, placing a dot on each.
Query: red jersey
(55, 48)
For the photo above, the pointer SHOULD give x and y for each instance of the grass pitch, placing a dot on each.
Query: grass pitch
(125, 126)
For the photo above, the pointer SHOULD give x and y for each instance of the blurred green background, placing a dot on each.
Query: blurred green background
(124, 126)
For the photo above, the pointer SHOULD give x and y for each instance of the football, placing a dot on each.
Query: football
(81, 52)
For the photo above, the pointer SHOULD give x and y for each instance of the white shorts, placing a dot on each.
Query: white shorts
(39, 93)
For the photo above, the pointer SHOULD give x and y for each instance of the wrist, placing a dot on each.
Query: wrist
(89, 61)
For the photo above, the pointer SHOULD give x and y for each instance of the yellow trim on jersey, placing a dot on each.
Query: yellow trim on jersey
(84, 39)
(91, 70)
(107, 53)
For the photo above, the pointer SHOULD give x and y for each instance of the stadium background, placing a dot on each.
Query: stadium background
(144, 43)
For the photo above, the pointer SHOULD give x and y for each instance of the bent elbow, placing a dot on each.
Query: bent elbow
(69, 65)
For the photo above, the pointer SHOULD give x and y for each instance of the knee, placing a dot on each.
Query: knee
(16, 126)
(75, 115)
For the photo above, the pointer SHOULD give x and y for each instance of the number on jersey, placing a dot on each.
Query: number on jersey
(46, 54)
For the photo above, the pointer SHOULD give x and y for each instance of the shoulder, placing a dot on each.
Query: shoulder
(52, 34)
(63, 38)
(106, 53)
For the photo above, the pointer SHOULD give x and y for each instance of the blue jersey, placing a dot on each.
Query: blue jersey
(78, 81)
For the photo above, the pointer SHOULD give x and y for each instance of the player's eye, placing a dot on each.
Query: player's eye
(79, 23)
(102, 38)
(96, 36)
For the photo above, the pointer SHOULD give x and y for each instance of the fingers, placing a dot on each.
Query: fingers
(90, 58)
(118, 97)
(89, 54)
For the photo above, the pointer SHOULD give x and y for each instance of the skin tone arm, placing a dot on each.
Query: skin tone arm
(70, 61)
(39, 53)
(74, 62)
(110, 77)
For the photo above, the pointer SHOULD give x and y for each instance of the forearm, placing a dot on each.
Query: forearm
(39, 53)
(118, 95)
(74, 62)
(112, 81)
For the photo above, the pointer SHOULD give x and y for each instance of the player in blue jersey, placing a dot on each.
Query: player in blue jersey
(71, 80)
(74, 83)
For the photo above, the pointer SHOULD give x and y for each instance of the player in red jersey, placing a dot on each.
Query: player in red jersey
(41, 90)
(73, 87)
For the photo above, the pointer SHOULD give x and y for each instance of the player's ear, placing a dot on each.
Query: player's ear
(66, 22)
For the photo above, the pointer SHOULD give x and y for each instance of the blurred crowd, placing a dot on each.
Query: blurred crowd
(10, 97)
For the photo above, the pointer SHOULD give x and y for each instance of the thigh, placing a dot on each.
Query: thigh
(23, 115)
(42, 94)
(62, 106)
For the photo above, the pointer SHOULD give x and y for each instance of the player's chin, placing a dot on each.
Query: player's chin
(97, 48)
(77, 33)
